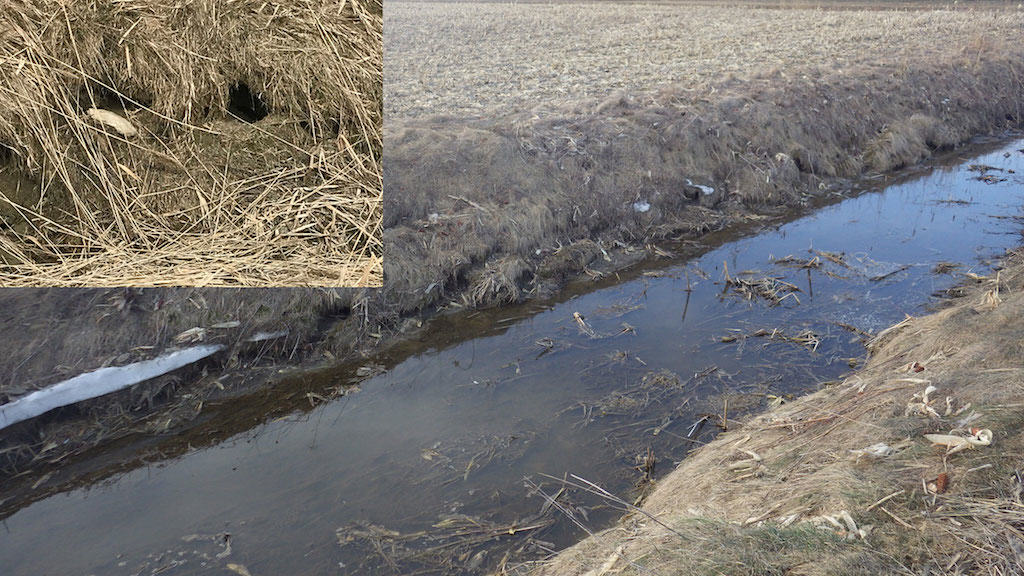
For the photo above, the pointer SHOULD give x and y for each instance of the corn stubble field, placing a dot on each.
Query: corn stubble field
(470, 57)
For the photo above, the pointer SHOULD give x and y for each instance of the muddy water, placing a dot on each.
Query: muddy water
(422, 468)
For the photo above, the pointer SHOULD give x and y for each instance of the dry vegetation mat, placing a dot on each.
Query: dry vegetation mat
(911, 465)
(192, 143)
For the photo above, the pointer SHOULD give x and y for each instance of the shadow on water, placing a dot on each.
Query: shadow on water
(433, 465)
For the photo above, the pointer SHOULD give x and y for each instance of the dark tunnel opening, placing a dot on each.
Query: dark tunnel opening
(245, 104)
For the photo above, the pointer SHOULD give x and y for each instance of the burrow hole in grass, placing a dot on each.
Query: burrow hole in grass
(246, 105)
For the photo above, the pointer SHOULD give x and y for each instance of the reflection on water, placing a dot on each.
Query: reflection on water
(423, 468)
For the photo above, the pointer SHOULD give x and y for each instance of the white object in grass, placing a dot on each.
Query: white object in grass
(705, 190)
(112, 119)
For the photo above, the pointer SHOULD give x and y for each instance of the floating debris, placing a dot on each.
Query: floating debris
(865, 335)
(453, 544)
(838, 258)
(658, 401)
(891, 270)
(769, 288)
(619, 309)
(984, 176)
(585, 328)
(644, 463)
(239, 569)
(795, 262)
(806, 338)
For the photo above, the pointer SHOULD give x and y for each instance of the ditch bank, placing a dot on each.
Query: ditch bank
(910, 465)
(485, 212)
(481, 212)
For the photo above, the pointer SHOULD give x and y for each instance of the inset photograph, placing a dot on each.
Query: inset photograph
(191, 144)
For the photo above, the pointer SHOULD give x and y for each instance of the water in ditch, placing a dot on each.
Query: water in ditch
(451, 460)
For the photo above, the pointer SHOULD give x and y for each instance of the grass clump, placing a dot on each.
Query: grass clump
(766, 550)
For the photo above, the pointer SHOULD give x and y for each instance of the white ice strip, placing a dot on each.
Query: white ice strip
(706, 190)
(98, 383)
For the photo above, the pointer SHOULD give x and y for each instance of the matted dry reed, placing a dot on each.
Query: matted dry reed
(250, 154)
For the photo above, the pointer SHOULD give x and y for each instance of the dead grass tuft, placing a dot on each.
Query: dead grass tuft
(498, 282)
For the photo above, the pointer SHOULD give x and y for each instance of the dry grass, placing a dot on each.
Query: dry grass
(912, 508)
(58, 333)
(485, 211)
(198, 196)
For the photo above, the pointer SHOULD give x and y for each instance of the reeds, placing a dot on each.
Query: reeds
(199, 196)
